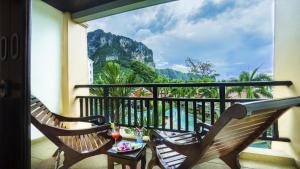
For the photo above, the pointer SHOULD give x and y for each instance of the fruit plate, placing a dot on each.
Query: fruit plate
(126, 147)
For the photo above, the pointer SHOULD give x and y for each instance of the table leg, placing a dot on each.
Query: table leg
(110, 163)
(143, 162)
(133, 166)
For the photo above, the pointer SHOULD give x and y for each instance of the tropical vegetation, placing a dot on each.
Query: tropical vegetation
(113, 74)
(251, 91)
(138, 72)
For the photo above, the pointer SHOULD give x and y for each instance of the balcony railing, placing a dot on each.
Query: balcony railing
(165, 112)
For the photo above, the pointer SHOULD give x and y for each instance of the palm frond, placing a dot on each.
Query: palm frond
(263, 91)
(234, 90)
(244, 77)
(253, 74)
(262, 77)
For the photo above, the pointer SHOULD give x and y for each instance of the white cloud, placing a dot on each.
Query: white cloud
(143, 34)
(180, 68)
(217, 1)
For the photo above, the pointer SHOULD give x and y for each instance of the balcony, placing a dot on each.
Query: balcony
(160, 110)
(61, 84)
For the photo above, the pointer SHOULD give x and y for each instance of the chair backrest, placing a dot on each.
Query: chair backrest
(43, 119)
(241, 124)
(41, 115)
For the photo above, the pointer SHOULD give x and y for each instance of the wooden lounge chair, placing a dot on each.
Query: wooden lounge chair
(77, 144)
(236, 129)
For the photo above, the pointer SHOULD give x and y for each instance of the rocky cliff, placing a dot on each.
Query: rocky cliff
(103, 47)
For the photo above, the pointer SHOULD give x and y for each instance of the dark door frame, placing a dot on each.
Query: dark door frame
(15, 74)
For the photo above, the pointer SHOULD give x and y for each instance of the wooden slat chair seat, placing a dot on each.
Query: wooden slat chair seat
(168, 157)
(84, 143)
(236, 129)
(77, 144)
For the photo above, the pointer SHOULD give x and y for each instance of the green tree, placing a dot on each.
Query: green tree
(144, 73)
(251, 91)
(192, 92)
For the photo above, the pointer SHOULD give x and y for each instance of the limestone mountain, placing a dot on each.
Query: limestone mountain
(103, 47)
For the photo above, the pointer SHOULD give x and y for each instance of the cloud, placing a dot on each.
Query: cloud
(180, 68)
(224, 32)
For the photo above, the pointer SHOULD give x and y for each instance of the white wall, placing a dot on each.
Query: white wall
(77, 61)
(46, 54)
(287, 67)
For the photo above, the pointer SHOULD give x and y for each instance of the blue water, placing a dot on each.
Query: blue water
(182, 120)
(167, 121)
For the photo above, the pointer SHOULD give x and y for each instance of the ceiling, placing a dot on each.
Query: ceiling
(86, 10)
(76, 5)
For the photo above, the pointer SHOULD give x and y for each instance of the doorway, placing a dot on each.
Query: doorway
(14, 84)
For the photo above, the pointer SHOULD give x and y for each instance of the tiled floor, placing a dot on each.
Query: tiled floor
(44, 149)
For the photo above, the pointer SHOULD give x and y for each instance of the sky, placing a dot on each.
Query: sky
(234, 35)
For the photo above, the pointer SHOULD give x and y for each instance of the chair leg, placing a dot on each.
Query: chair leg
(57, 158)
(69, 160)
(152, 144)
(151, 163)
(232, 161)
(55, 153)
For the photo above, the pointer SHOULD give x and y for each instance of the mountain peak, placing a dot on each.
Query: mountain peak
(103, 47)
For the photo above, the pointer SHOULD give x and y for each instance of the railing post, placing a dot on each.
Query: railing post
(222, 98)
(106, 103)
(155, 106)
(275, 133)
(81, 107)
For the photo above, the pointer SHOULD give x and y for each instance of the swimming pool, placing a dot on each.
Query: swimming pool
(167, 119)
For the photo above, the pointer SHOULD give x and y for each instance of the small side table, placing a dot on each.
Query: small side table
(124, 159)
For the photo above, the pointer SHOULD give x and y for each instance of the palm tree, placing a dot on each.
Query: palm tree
(251, 91)
(112, 74)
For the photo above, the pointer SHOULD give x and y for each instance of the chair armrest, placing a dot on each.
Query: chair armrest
(204, 125)
(182, 148)
(72, 132)
(202, 129)
(98, 120)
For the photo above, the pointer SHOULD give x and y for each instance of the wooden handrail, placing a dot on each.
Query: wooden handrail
(205, 84)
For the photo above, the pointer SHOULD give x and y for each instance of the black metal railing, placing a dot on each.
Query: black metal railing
(177, 113)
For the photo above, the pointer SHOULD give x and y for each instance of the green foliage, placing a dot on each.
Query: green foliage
(113, 74)
(191, 92)
(144, 73)
(251, 91)
(137, 72)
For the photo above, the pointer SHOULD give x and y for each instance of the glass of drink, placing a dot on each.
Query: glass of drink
(139, 135)
(116, 135)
